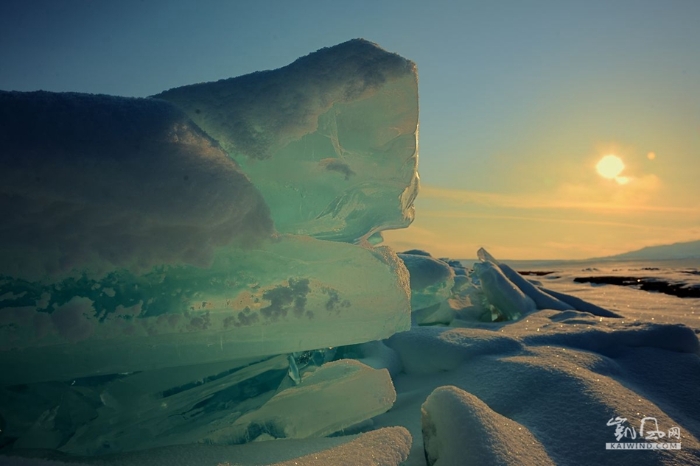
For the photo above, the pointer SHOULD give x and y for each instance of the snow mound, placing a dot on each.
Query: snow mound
(383, 447)
(460, 429)
(562, 377)
(426, 350)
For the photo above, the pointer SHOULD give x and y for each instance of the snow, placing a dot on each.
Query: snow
(559, 375)
(459, 428)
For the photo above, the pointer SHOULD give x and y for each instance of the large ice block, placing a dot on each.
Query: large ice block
(130, 241)
(285, 295)
(329, 140)
(164, 279)
(151, 409)
(92, 183)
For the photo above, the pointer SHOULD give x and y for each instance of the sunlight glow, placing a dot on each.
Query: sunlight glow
(610, 167)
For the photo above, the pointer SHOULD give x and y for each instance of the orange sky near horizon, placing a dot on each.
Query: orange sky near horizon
(585, 214)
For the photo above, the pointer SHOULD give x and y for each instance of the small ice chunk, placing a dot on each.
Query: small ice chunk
(542, 299)
(335, 396)
(431, 280)
(484, 256)
(502, 294)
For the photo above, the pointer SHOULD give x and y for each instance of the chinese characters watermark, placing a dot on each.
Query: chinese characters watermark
(650, 436)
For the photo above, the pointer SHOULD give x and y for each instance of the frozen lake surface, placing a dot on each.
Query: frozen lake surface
(627, 300)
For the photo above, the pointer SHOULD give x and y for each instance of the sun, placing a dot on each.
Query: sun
(610, 167)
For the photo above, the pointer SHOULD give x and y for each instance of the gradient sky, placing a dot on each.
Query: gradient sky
(519, 100)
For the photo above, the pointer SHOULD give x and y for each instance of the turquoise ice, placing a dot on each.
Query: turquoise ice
(330, 140)
(133, 227)
(174, 266)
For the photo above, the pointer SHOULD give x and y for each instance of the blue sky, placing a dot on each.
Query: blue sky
(519, 100)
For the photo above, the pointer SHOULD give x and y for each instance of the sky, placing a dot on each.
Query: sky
(519, 101)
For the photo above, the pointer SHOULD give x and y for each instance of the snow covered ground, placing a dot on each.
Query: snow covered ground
(632, 303)
(560, 377)
(555, 387)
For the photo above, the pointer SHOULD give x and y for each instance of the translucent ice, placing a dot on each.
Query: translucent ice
(285, 295)
(333, 397)
(431, 280)
(166, 274)
(330, 140)
(495, 272)
(130, 241)
(92, 183)
(136, 414)
(506, 299)
(542, 299)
